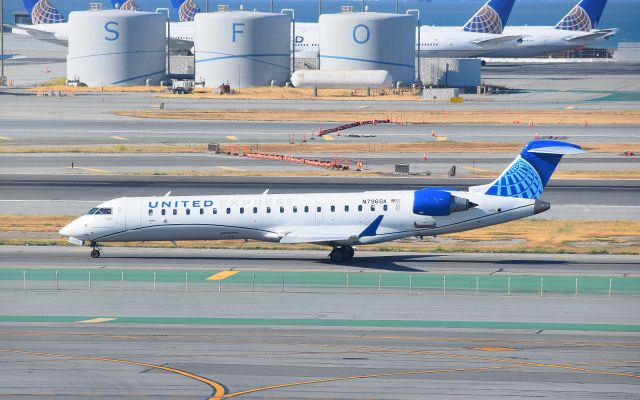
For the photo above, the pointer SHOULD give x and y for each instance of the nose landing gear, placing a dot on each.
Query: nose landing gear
(341, 254)
(95, 252)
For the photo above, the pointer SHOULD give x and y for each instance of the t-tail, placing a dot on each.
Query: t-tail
(491, 17)
(187, 9)
(529, 173)
(43, 12)
(584, 16)
(130, 5)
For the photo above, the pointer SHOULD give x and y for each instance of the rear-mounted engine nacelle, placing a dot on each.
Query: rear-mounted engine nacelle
(436, 202)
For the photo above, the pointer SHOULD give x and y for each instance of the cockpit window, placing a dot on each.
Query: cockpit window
(99, 211)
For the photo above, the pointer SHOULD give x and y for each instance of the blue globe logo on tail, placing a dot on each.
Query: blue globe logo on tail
(486, 20)
(130, 5)
(576, 20)
(188, 11)
(43, 12)
(520, 180)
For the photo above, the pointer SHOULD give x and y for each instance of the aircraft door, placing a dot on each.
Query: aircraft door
(133, 213)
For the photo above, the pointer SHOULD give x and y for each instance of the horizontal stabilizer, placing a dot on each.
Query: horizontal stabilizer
(564, 150)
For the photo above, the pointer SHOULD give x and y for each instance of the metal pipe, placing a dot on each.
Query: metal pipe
(417, 12)
(1, 42)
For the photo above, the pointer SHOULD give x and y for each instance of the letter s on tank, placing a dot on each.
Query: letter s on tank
(112, 33)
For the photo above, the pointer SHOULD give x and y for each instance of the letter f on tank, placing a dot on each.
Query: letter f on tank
(236, 28)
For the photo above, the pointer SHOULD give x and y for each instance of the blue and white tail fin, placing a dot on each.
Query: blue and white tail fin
(584, 16)
(130, 5)
(491, 17)
(187, 9)
(528, 174)
(43, 12)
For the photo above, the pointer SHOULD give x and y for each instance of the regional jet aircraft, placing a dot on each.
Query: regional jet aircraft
(339, 220)
(576, 29)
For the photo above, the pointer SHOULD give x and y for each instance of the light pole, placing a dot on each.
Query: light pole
(1, 43)
(417, 13)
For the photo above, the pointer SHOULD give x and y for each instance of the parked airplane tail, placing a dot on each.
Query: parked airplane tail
(528, 174)
(43, 12)
(584, 16)
(187, 9)
(130, 5)
(491, 17)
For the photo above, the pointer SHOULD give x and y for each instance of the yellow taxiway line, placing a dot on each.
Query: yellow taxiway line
(95, 320)
(220, 276)
(231, 137)
(230, 168)
(218, 390)
(119, 138)
(96, 170)
(4, 138)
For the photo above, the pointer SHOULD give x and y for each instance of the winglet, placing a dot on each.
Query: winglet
(372, 228)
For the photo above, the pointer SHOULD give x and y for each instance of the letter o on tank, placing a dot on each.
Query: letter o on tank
(361, 34)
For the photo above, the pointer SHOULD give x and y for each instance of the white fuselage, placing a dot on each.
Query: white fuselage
(541, 40)
(322, 218)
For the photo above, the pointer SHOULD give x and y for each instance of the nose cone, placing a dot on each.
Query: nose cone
(71, 229)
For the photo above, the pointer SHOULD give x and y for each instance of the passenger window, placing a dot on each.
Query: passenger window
(319, 209)
(164, 212)
(385, 207)
(201, 211)
(241, 210)
(397, 207)
(215, 210)
(360, 207)
(175, 212)
(346, 208)
(306, 209)
(373, 208)
(228, 210)
(150, 212)
(281, 209)
(188, 211)
(333, 208)
(255, 210)
(295, 209)
(268, 210)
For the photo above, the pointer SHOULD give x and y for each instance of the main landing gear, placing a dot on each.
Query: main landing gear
(341, 254)
(95, 252)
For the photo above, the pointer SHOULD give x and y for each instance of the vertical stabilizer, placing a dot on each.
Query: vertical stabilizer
(528, 174)
(583, 17)
(491, 17)
(130, 5)
(187, 9)
(43, 12)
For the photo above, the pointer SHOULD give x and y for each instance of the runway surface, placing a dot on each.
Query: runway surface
(45, 194)
(265, 260)
(176, 344)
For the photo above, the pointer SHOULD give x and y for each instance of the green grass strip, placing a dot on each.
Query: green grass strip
(331, 322)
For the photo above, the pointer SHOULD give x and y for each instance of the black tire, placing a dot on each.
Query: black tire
(336, 256)
(95, 253)
(348, 253)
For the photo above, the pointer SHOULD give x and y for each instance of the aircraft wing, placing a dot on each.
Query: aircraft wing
(496, 41)
(10, 57)
(592, 35)
(38, 34)
(181, 44)
(343, 234)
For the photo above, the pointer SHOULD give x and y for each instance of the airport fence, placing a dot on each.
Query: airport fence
(292, 282)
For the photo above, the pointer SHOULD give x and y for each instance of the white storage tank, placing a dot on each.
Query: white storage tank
(116, 47)
(364, 79)
(245, 49)
(369, 41)
(450, 72)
